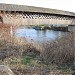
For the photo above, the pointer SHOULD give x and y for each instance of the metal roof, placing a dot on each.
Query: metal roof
(13, 7)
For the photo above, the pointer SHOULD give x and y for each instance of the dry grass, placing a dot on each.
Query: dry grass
(60, 52)
(49, 59)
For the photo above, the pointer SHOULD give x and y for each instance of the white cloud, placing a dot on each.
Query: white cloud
(67, 5)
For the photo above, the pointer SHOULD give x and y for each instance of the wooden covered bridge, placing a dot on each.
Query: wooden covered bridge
(29, 15)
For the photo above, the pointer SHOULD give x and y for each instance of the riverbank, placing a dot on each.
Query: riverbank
(25, 59)
(50, 27)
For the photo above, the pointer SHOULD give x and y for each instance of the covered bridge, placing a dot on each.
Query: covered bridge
(30, 15)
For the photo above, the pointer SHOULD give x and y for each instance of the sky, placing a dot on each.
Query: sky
(66, 5)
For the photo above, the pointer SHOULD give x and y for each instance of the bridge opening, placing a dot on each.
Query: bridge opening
(1, 19)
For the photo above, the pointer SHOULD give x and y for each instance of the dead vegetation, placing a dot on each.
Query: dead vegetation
(25, 59)
(60, 52)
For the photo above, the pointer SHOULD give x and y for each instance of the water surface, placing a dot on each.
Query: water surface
(39, 35)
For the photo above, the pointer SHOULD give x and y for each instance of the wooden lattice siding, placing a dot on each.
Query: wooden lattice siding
(37, 16)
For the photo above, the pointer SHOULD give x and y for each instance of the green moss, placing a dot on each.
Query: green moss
(27, 60)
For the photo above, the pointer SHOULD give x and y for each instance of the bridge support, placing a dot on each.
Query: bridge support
(71, 28)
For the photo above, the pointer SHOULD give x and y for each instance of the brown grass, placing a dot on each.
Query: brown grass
(59, 52)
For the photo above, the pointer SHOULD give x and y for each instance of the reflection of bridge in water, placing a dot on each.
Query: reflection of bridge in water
(28, 15)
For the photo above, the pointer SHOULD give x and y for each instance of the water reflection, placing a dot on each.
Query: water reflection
(39, 35)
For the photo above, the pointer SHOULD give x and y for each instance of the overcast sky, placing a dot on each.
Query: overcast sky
(67, 5)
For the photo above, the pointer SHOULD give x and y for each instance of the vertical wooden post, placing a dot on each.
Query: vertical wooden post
(11, 34)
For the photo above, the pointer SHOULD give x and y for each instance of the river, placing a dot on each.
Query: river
(39, 35)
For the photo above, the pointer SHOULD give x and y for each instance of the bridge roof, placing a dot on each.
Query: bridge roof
(13, 7)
